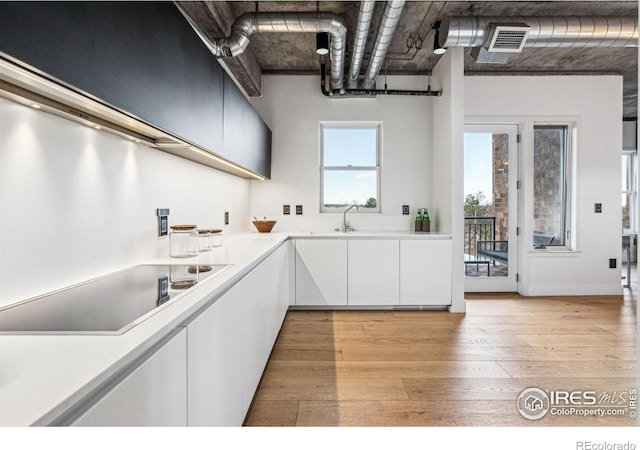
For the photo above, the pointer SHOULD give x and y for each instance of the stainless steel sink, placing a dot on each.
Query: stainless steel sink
(109, 305)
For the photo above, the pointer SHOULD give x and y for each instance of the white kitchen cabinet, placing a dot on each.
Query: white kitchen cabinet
(373, 270)
(264, 296)
(215, 362)
(321, 272)
(154, 394)
(425, 272)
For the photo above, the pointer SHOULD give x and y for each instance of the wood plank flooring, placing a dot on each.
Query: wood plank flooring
(433, 368)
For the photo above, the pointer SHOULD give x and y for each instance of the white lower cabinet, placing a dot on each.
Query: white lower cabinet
(373, 272)
(207, 374)
(230, 343)
(264, 305)
(215, 362)
(425, 272)
(154, 394)
(321, 272)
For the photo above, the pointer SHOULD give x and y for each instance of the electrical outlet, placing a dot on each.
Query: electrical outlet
(226, 217)
(298, 210)
(163, 221)
(612, 263)
(286, 210)
(405, 210)
(598, 207)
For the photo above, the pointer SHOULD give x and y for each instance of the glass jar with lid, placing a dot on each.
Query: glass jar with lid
(206, 239)
(183, 241)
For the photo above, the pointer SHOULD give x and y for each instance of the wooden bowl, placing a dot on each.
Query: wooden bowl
(264, 226)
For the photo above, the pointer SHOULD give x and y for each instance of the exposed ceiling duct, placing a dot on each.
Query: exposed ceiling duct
(390, 20)
(542, 32)
(360, 40)
(283, 22)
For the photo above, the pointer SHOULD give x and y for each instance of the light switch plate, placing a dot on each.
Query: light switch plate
(405, 210)
(298, 210)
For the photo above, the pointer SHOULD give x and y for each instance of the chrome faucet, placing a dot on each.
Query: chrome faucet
(346, 224)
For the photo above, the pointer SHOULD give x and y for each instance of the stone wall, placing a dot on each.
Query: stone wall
(547, 187)
(500, 199)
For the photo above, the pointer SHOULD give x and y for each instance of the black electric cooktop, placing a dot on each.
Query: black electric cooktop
(109, 305)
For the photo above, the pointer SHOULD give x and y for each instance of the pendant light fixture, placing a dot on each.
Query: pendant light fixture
(437, 49)
(322, 43)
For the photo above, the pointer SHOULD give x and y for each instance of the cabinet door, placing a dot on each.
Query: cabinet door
(215, 362)
(253, 333)
(321, 272)
(425, 272)
(154, 394)
(374, 277)
(276, 293)
(140, 57)
(247, 139)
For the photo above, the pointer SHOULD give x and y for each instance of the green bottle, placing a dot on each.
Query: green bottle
(426, 222)
(418, 226)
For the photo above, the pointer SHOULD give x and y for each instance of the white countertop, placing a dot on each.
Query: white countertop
(367, 234)
(43, 376)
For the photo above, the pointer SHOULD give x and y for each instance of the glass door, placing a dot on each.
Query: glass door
(490, 208)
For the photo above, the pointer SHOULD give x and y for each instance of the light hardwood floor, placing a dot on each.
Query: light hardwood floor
(432, 368)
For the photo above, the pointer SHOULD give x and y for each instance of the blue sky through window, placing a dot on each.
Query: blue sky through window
(349, 147)
(478, 164)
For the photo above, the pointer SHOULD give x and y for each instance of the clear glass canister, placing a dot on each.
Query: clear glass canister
(216, 238)
(183, 241)
(205, 242)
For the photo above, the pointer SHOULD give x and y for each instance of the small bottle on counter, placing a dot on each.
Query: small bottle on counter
(418, 225)
(426, 221)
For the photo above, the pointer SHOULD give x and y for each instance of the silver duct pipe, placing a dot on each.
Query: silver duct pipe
(576, 31)
(360, 39)
(392, 14)
(284, 22)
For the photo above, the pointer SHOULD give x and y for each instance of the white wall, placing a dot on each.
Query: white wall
(448, 134)
(293, 107)
(595, 103)
(77, 202)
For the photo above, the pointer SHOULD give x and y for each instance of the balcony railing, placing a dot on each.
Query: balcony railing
(478, 228)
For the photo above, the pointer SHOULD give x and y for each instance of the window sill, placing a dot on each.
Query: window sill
(553, 253)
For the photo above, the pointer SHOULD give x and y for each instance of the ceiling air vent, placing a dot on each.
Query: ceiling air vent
(507, 38)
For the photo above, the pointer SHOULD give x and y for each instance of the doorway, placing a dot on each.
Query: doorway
(490, 208)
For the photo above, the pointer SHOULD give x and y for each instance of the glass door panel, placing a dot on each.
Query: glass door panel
(490, 210)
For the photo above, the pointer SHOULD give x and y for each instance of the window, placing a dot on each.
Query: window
(629, 193)
(350, 166)
(552, 182)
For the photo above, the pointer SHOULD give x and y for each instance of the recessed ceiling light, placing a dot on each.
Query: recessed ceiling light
(36, 106)
(97, 127)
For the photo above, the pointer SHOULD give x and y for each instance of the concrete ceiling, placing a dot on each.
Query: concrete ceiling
(294, 53)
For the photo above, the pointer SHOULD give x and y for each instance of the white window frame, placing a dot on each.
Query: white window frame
(377, 167)
(633, 193)
(568, 170)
